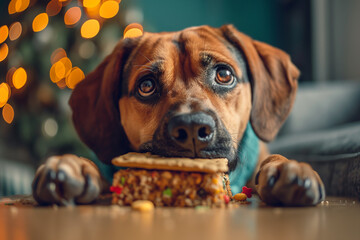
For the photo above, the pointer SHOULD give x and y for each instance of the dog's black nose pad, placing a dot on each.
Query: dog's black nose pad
(192, 131)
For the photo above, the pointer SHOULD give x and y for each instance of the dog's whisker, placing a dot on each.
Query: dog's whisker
(142, 65)
(145, 57)
(145, 68)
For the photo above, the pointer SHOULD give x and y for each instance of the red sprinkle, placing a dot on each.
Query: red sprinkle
(247, 191)
(226, 199)
(116, 189)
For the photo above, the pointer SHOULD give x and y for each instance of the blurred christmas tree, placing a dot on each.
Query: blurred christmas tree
(45, 49)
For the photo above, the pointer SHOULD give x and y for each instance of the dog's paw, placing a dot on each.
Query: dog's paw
(287, 182)
(66, 180)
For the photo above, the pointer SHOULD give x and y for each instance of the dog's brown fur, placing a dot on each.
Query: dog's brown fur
(111, 121)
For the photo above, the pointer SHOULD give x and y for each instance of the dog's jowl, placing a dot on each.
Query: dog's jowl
(201, 93)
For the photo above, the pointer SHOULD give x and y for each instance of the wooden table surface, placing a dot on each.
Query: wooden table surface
(336, 218)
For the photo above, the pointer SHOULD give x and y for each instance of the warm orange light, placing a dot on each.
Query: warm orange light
(72, 16)
(90, 28)
(8, 113)
(4, 50)
(53, 76)
(133, 30)
(90, 3)
(40, 22)
(93, 13)
(9, 75)
(15, 31)
(21, 5)
(4, 32)
(11, 7)
(19, 78)
(53, 8)
(133, 33)
(60, 69)
(61, 84)
(76, 75)
(67, 65)
(134, 25)
(109, 9)
(57, 55)
(4, 94)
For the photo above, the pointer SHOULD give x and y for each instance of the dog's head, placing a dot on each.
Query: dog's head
(189, 93)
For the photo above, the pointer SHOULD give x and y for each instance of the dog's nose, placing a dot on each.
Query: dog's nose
(193, 131)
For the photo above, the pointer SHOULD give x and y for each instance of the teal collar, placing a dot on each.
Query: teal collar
(248, 152)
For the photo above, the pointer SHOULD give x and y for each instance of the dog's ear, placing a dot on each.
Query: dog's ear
(94, 103)
(273, 78)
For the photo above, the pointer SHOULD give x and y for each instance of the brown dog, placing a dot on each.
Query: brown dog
(193, 93)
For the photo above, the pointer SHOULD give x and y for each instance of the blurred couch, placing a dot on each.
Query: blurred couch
(324, 130)
(15, 177)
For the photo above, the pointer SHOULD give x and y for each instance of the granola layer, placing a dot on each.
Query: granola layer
(170, 188)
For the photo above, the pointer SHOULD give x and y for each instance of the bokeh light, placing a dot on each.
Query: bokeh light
(61, 84)
(4, 50)
(57, 55)
(4, 93)
(21, 5)
(8, 113)
(133, 30)
(15, 31)
(76, 75)
(109, 9)
(72, 16)
(90, 28)
(53, 76)
(40, 22)
(19, 78)
(9, 75)
(53, 8)
(60, 69)
(93, 13)
(67, 67)
(50, 127)
(4, 31)
(87, 49)
(11, 7)
(90, 3)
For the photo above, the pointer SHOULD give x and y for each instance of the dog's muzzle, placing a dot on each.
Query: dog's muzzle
(198, 134)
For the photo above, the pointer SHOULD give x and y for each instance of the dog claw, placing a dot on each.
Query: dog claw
(271, 181)
(61, 176)
(297, 181)
(257, 178)
(320, 193)
(307, 183)
(51, 175)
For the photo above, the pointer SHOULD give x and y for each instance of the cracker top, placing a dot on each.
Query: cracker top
(148, 161)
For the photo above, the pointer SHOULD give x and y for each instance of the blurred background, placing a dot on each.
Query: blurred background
(46, 48)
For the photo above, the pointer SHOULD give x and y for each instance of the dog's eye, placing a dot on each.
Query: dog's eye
(224, 76)
(146, 87)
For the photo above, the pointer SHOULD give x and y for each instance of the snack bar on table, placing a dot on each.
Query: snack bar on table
(177, 182)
